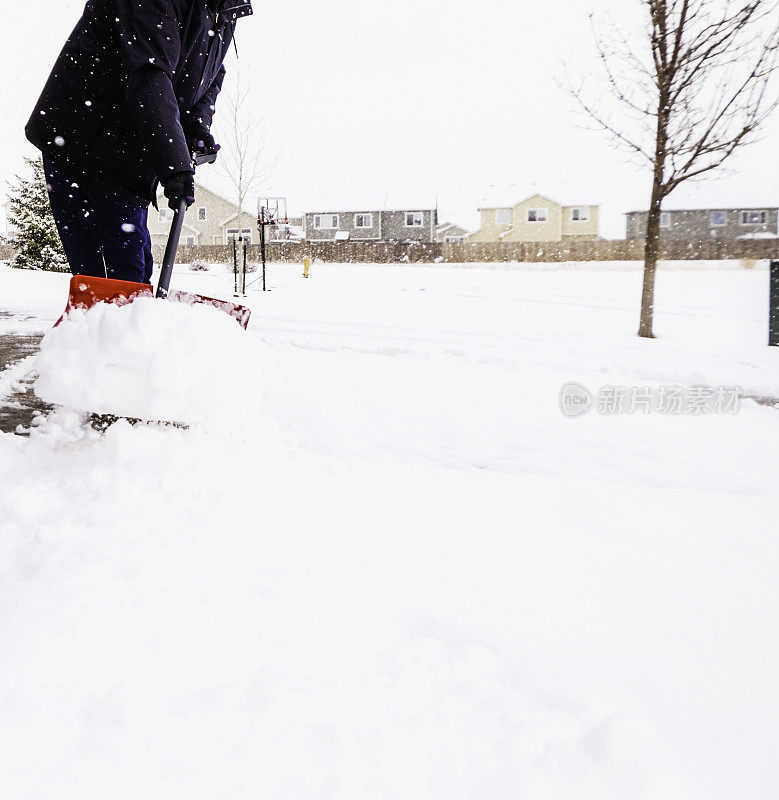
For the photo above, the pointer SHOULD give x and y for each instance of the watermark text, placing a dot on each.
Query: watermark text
(669, 399)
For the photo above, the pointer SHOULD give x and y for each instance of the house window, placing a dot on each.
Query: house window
(537, 215)
(414, 219)
(163, 214)
(201, 214)
(718, 219)
(503, 216)
(247, 235)
(232, 233)
(580, 214)
(326, 221)
(190, 241)
(665, 219)
(753, 217)
(363, 220)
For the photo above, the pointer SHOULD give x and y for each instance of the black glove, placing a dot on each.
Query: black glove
(178, 185)
(201, 141)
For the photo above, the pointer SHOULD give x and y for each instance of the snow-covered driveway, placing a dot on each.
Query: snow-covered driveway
(406, 574)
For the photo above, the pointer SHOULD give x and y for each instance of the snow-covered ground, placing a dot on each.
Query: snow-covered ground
(402, 572)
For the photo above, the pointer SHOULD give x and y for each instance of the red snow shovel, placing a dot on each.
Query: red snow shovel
(87, 290)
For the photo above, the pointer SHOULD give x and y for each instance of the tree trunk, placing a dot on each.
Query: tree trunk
(652, 245)
(651, 253)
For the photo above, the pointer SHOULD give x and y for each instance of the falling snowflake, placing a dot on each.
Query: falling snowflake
(128, 227)
(59, 141)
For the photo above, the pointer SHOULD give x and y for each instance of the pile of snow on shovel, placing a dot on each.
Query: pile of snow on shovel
(152, 360)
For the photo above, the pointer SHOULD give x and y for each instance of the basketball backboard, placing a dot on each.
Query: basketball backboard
(272, 210)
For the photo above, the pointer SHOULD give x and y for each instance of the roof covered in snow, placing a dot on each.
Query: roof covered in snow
(510, 195)
(361, 200)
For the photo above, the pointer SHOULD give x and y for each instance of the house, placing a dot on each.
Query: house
(707, 223)
(448, 232)
(213, 219)
(537, 219)
(371, 225)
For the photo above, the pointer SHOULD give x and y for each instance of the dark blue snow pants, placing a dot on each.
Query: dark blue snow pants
(101, 236)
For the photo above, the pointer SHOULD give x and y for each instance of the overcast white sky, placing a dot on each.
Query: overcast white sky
(408, 97)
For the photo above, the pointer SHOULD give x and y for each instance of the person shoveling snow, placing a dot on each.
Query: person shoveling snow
(130, 98)
(129, 104)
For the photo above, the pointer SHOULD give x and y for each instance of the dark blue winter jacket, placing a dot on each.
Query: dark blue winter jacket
(135, 79)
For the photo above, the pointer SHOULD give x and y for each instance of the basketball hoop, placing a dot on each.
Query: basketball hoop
(272, 211)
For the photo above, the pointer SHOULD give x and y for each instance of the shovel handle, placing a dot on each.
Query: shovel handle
(170, 249)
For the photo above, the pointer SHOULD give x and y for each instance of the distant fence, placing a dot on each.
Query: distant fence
(503, 252)
(496, 252)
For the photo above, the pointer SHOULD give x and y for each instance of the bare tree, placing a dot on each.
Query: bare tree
(683, 96)
(244, 157)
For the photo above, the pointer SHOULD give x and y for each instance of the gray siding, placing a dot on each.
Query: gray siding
(699, 223)
(394, 228)
(346, 222)
(387, 226)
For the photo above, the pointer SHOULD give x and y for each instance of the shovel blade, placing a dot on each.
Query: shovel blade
(240, 314)
(87, 291)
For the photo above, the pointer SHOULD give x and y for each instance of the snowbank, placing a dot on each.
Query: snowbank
(152, 359)
(435, 585)
(231, 621)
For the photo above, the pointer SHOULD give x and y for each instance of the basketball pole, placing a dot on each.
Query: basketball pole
(262, 245)
(268, 213)
(235, 269)
(243, 286)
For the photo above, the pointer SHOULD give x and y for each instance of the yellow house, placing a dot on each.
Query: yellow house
(213, 219)
(537, 219)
